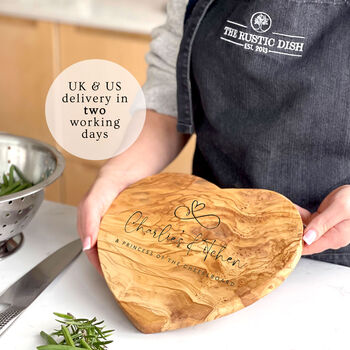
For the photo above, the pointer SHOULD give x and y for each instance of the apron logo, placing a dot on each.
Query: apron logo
(261, 22)
(274, 43)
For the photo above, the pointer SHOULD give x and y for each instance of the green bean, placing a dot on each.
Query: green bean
(20, 174)
(12, 179)
(9, 189)
(6, 182)
(67, 336)
(48, 338)
(22, 187)
(10, 185)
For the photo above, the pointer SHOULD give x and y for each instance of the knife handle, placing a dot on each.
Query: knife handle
(8, 316)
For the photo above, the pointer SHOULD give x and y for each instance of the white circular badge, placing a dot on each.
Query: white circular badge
(95, 109)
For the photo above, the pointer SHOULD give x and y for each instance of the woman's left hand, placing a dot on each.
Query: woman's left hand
(329, 227)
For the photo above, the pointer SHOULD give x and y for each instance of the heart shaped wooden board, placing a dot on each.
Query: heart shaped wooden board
(177, 251)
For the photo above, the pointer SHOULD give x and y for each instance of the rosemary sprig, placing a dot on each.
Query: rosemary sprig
(77, 333)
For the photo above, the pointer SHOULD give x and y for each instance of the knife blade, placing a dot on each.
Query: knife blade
(23, 292)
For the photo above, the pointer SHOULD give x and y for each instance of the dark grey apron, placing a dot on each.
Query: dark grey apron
(265, 85)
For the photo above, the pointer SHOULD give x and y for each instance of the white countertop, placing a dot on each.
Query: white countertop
(309, 311)
(134, 16)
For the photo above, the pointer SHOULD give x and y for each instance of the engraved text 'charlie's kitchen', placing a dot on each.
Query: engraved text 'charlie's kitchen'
(136, 223)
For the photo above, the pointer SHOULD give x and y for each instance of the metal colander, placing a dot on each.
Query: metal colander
(41, 164)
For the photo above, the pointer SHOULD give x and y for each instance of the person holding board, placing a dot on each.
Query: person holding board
(265, 87)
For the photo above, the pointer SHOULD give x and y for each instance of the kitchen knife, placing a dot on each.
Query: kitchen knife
(23, 292)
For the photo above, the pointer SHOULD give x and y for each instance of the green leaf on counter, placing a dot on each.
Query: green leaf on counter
(77, 333)
(67, 317)
(48, 338)
(57, 347)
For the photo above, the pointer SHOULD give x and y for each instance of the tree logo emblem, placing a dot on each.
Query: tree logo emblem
(261, 22)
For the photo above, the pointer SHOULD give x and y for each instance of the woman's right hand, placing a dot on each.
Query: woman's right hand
(91, 210)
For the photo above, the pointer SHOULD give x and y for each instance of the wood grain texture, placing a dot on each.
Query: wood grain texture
(177, 250)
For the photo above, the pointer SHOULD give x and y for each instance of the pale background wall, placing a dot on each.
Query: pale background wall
(32, 54)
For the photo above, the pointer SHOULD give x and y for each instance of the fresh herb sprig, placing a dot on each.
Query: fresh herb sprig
(77, 333)
(12, 185)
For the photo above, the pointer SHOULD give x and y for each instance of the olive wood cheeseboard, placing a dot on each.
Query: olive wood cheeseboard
(176, 250)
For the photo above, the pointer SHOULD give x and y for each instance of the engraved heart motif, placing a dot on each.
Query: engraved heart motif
(177, 251)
